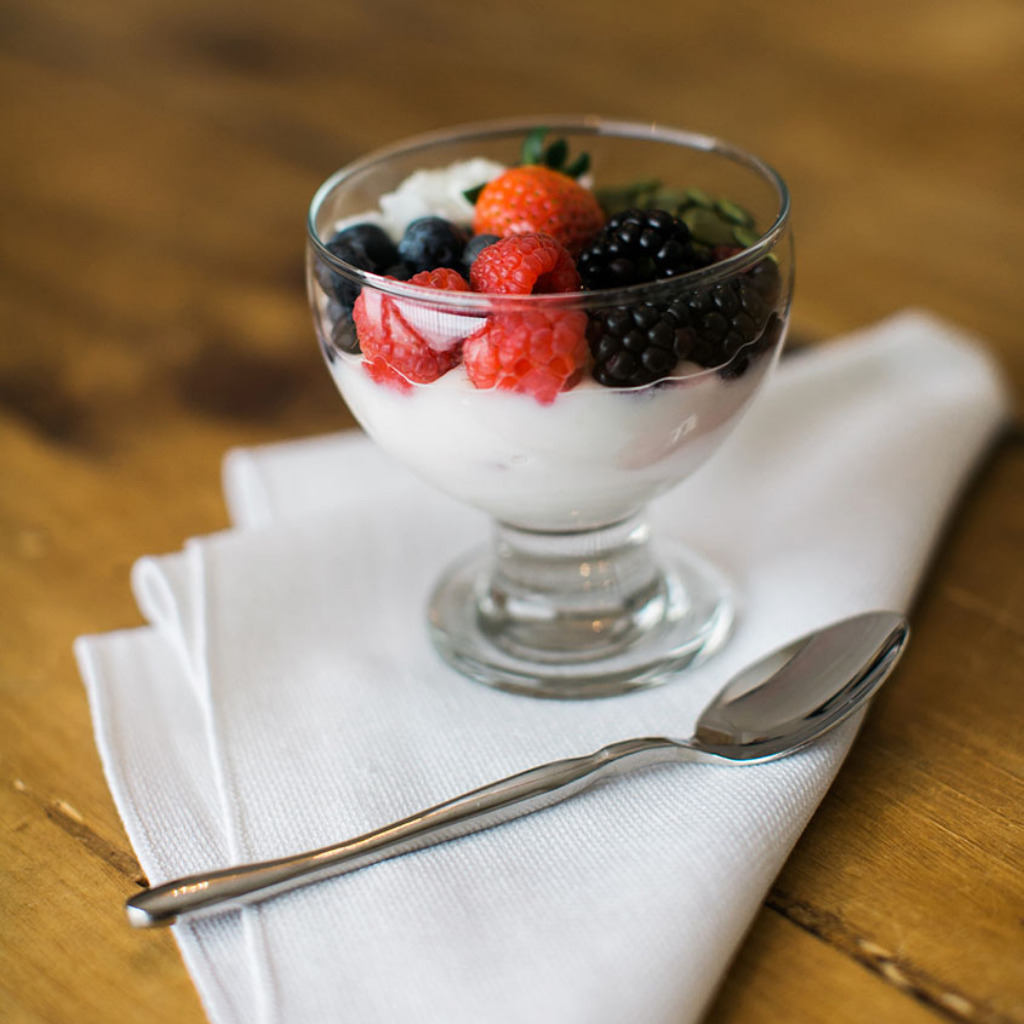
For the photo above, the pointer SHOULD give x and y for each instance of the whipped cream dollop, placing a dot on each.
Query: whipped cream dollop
(437, 192)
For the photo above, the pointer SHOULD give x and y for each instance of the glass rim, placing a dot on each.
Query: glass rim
(587, 124)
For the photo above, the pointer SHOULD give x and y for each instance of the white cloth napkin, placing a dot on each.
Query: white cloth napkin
(285, 696)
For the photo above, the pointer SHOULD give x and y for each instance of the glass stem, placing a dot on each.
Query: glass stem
(570, 594)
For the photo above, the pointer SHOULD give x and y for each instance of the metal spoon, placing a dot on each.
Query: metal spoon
(778, 705)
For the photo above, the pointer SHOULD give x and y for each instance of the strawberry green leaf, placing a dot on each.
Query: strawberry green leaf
(555, 154)
(533, 146)
(579, 166)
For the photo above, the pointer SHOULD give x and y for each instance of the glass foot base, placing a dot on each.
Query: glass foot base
(579, 615)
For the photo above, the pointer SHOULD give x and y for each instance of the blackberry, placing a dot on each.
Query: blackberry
(766, 279)
(634, 345)
(728, 323)
(364, 246)
(432, 242)
(637, 246)
(723, 326)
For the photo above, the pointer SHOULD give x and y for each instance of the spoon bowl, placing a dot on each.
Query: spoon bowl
(783, 702)
(796, 694)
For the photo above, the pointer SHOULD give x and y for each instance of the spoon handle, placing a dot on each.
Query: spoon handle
(482, 808)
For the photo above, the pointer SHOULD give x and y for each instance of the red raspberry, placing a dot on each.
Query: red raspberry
(536, 352)
(524, 264)
(442, 278)
(394, 352)
(533, 198)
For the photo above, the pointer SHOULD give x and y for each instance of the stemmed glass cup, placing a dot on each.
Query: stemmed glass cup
(573, 597)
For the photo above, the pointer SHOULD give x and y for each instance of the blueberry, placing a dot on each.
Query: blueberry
(337, 286)
(343, 330)
(400, 271)
(364, 246)
(432, 242)
(475, 246)
(374, 241)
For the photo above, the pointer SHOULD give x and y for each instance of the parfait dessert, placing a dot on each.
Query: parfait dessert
(556, 343)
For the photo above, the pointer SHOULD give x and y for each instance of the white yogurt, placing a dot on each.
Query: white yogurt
(593, 457)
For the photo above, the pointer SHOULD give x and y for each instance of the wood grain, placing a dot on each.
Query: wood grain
(159, 158)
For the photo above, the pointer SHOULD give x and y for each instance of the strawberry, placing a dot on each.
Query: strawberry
(533, 198)
(535, 352)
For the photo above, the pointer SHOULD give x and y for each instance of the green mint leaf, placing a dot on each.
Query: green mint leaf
(707, 226)
(744, 236)
(471, 195)
(698, 197)
(615, 199)
(665, 198)
(734, 213)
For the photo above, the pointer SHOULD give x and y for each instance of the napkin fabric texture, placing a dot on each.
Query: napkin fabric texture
(284, 696)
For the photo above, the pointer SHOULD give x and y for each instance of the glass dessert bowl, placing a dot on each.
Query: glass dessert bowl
(557, 339)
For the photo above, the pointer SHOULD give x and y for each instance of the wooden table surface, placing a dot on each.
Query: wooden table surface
(158, 160)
